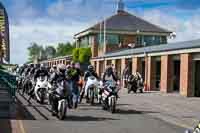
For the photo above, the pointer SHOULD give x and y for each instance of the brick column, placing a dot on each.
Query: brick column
(123, 65)
(105, 64)
(114, 62)
(136, 65)
(97, 68)
(186, 75)
(149, 73)
(166, 83)
(94, 47)
(92, 63)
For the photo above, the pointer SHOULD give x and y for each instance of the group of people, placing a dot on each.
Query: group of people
(70, 73)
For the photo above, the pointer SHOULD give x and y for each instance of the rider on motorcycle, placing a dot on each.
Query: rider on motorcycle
(37, 71)
(42, 71)
(109, 75)
(56, 77)
(88, 73)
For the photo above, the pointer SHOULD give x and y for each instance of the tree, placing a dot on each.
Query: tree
(82, 55)
(50, 52)
(75, 55)
(85, 55)
(34, 51)
(64, 49)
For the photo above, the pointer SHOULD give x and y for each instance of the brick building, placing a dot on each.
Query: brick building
(4, 31)
(125, 39)
(55, 61)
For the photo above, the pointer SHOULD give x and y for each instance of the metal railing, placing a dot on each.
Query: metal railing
(9, 81)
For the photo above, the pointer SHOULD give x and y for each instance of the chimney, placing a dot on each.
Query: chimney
(120, 6)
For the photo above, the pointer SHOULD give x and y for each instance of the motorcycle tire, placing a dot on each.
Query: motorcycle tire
(104, 107)
(42, 97)
(141, 90)
(113, 105)
(62, 112)
(91, 97)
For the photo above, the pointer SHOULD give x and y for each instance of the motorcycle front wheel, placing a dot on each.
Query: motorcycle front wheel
(62, 111)
(91, 97)
(112, 104)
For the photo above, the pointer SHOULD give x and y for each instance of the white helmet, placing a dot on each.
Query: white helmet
(61, 67)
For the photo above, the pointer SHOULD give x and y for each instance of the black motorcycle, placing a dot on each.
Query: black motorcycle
(134, 84)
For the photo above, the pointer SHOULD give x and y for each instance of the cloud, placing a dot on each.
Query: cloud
(42, 31)
(186, 29)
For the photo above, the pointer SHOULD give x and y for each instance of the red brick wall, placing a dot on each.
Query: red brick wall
(166, 83)
(186, 75)
(136, 65)
(149, 73)
(94, 47)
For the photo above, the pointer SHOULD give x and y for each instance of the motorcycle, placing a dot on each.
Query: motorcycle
(41, 89)
(91, 88)
(61, 94)
(19, 80)
(195, 130)
(109, 96)
(134, 84)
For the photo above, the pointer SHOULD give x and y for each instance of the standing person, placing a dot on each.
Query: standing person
(125, 75)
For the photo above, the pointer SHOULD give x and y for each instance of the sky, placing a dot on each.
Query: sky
(49, 22)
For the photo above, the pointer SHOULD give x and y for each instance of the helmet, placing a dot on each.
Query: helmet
(42, 66)
(72, 64)
(31, 65)
(77, 65)
(68, 67)
(90, 68)
(61, 68)
(54, 66)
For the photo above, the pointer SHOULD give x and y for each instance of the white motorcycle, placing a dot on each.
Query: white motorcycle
(41, 88)
(91, 89)
(109, 96)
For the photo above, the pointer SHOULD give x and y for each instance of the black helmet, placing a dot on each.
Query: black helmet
(90, 68)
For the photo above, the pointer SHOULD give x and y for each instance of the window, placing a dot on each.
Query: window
(111, 39)
(151, 40)
(84, 42)
(163, 39)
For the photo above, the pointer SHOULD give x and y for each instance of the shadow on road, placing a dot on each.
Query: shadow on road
(35, 107)
(130, 112)
(87, 118)
(22, 112)
(5, 126)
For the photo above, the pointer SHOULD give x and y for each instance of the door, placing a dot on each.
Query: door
(197, 79)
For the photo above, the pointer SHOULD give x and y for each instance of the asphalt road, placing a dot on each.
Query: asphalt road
(37, 118)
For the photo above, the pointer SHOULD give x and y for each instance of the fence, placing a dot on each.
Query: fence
(9, 81)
